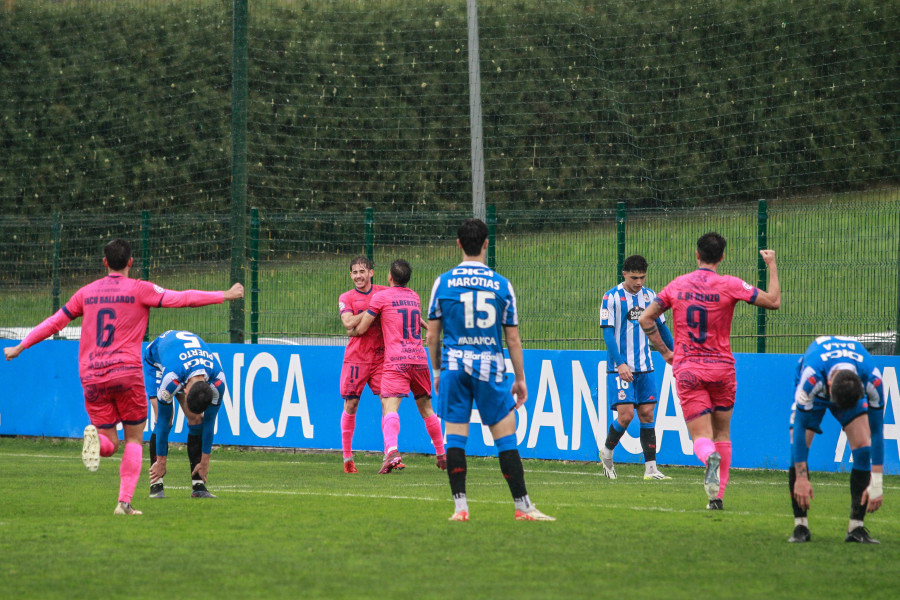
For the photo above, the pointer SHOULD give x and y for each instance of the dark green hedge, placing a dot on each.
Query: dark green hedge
(108, 107)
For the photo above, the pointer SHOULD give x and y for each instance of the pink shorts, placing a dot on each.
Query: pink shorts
(121, 400)
(355, 376)
(704, 390)
(398, 380)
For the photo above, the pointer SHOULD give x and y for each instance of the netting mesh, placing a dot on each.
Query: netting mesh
(688, 112)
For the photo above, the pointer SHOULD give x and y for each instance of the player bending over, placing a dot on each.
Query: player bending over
(837, 374)
(179, 365)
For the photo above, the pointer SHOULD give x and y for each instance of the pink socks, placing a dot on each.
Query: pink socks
(433, 427)
(724, 450)
(390, 427)
(703, 447)
(130, 470)
(107, 446)
(348, 425)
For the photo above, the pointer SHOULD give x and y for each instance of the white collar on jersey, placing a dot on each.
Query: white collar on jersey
(472, 263)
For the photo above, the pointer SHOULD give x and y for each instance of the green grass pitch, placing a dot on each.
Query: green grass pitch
(294, 526)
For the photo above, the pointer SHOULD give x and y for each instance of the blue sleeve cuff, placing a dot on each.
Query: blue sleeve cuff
(209, 427)
(612, 349)
(799, 449)
(876, 425)
(163, 420)
(665, 334)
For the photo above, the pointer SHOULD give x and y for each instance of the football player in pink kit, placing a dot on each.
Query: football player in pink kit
(115, 310)
(405, 362)
(702, 304)
(364, 355)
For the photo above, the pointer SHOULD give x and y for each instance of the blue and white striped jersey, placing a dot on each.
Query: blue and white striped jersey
(178, 356)
(831, 353)
(621, 309)
(474, 303)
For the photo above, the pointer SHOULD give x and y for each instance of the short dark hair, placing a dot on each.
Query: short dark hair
(471, 235)
(362, 260)
(711, 247)
(200, 397)
(117, 254)
(846, 389)
(635, 264)
(400, 271)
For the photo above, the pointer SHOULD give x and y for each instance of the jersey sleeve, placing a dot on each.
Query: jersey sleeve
(741, 290)
(608, 310)
(73, 309)
(510, 310)
(808, 386)
(666, 297)
(653, 295)
(159, 297)
(376, 304)
(434, 307)
(344, 304)
(875, 389)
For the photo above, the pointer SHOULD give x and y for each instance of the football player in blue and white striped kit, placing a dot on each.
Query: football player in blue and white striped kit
(179, 365)
(472, 308)
(838, 375)
(629, 367)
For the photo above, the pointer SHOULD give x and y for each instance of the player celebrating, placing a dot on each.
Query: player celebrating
(838, 374)
(364, 355)
(629, 366)
(405, 362)
(702, 304)
(471, 308)
(178, 364)
(115, 310)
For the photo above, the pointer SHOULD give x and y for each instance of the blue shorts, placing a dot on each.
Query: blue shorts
(458, 390)
(640, 391)
(152, 379)
(812, 419)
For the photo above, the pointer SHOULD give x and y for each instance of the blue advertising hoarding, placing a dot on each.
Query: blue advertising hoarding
(287, 396)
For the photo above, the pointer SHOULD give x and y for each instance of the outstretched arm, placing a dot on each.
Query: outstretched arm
(770, 298)
(52, 324)
(194, 298)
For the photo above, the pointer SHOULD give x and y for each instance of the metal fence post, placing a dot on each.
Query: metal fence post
(145, 257)
(370, 234)
(238, 165)
(897, 325)
(254, 276)
(620, 240)
(762, 234)
(57, 227)
(492, 236)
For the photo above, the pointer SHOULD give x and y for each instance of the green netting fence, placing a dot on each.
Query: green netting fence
(838, 261)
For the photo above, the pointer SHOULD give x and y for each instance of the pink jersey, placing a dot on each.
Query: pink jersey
(115, 310)
(401, 313)
(368, 347)
(702, 304)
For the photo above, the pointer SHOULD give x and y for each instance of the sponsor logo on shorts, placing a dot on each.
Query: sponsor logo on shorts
(621, 394)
